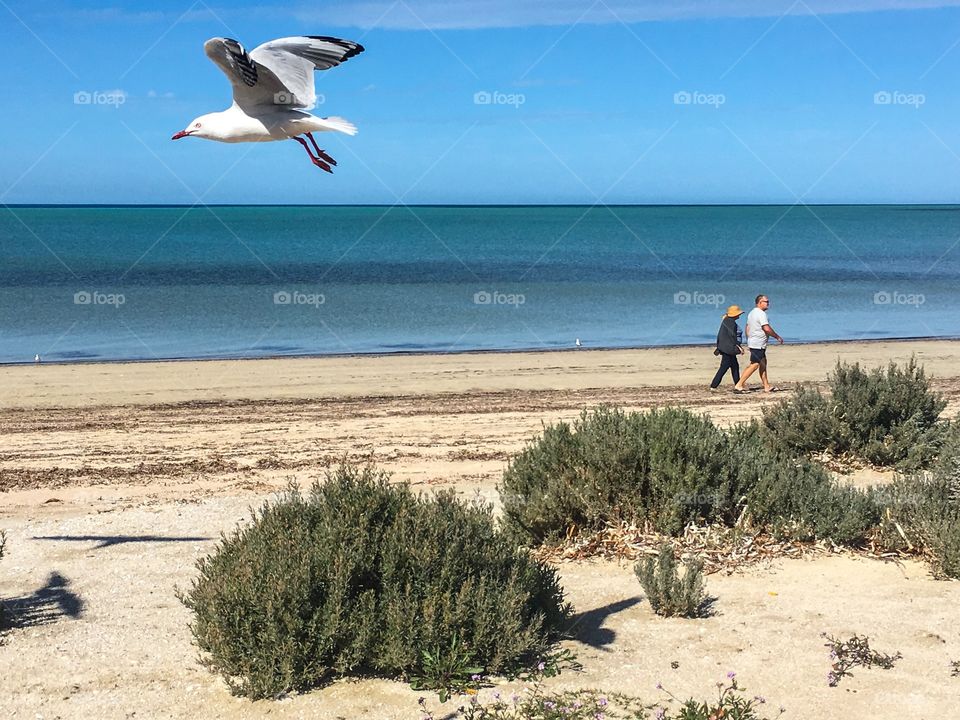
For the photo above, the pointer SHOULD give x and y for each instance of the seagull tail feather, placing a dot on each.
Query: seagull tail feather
(339, 124)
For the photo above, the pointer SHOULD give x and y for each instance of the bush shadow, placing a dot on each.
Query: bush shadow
(587, 627)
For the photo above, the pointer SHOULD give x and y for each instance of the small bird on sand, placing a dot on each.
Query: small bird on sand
(272, 90)
(578, 343)
(36, 358)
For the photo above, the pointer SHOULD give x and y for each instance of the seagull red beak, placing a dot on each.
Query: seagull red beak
(181, 134)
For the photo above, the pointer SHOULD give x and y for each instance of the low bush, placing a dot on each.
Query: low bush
(536, 703)
(921, 512)
(804, 423)
(666, 467)
(363, 577)
(669, 468)
(887, 417)
(948, 462)
(855, 652)
(796, 497)
(671, 593)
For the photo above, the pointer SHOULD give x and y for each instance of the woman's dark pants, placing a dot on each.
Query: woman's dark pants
(727, 362)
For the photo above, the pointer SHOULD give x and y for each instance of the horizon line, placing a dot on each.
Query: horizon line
(480, 205)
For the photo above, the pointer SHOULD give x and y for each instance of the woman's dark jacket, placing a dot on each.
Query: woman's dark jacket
(727, 336)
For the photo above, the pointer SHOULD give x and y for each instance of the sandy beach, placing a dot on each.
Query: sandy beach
(117, 477)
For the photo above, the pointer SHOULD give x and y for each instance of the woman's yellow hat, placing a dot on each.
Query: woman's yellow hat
(734, 311)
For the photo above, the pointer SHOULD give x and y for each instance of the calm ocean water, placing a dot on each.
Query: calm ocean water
(102, 283)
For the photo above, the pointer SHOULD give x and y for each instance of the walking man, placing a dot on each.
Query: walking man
(758, 334)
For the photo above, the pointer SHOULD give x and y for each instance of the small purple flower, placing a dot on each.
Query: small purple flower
(541, 666)
(660, 714)
(659, 686)
(602, 702)
(599, 716)
(549, 705)
(475, 677)
(760, 699)
(731, 675)
(496, 694)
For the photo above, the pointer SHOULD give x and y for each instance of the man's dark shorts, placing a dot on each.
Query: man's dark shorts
(757, 356)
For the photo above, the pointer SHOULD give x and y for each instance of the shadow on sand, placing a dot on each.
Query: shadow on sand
(108, 540)
(587, 627)
(43, 606)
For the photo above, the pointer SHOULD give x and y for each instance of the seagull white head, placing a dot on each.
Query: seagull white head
(204, 126)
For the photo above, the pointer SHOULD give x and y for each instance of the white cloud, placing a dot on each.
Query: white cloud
(480, 14)
(475, 14)
(102, 15)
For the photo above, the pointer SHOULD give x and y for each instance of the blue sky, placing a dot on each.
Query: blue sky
(717, 101)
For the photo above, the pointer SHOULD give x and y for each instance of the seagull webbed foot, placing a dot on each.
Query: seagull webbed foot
(322, 165)
(322, 154)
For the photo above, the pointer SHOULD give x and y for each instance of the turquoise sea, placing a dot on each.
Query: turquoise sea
(121, 283)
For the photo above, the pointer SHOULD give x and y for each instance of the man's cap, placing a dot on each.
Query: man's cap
(734, 311)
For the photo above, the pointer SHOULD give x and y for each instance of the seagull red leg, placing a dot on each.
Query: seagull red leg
(320, 153)
(315, 160)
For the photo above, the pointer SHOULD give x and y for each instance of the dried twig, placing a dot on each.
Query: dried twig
(719, 547)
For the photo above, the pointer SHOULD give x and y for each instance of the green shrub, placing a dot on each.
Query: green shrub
(922, 512)
(796, 497)
(804, 423)
(363, 577)
(884, 416)
(669, 468)
(670, 593)
(948, 461)
(666, 467)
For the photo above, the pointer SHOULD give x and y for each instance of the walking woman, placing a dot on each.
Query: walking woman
(728, 347)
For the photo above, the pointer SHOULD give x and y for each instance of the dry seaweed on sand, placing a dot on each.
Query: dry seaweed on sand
(720, 548)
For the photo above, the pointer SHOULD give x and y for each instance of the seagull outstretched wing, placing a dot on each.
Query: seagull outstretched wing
(279, 72)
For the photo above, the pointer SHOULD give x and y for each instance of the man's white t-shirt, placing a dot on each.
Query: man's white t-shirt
(756, 337)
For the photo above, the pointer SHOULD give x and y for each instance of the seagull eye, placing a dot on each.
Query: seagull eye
(196, 125)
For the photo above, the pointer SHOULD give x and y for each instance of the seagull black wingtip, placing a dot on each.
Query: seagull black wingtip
(354, 48)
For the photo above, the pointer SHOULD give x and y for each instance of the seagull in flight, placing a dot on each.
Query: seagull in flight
(272, 91)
